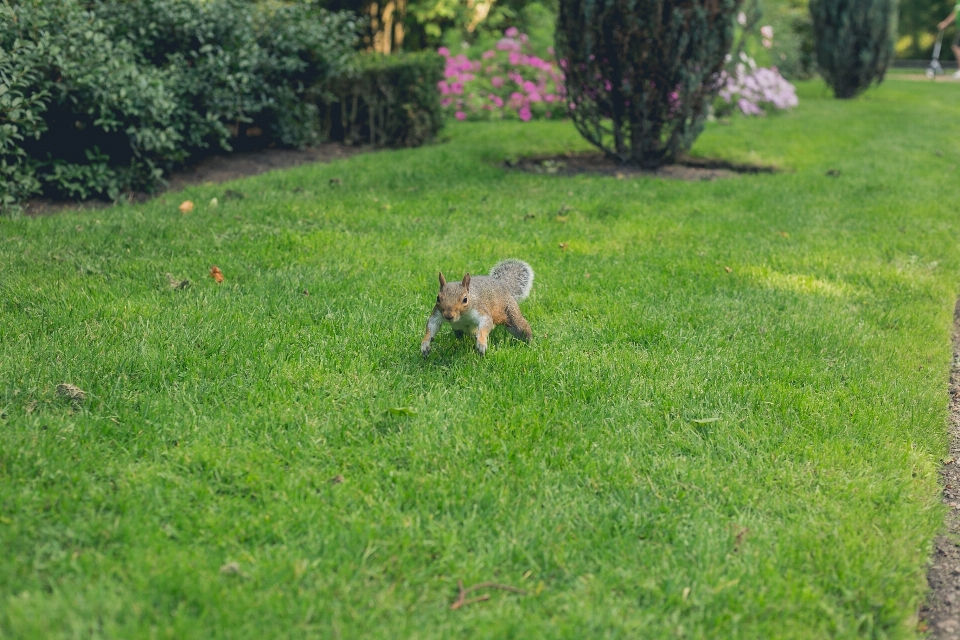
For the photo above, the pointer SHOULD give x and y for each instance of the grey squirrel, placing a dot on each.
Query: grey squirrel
(476, 305)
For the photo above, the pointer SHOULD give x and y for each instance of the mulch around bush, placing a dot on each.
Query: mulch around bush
(212, 169)
(692, 169)
(940, 615)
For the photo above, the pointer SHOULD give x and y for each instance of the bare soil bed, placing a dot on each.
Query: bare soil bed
(212, 169)
(688, 168)
(940, 616)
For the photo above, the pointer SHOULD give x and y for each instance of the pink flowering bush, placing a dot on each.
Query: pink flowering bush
(755, 90)
(506, 82)
(751, 89)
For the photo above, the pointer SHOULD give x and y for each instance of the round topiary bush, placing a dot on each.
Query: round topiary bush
(641, 74)
(853, 42)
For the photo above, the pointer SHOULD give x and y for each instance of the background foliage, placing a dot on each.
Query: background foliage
(506, 81)
(641, 89)
(918, 27)
(387, 101)
(99, 98)
(853, 42)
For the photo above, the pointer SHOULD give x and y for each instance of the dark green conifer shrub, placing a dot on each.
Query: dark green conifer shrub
(641, 74)
(853, 42)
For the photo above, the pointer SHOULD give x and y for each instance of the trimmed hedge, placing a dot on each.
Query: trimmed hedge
(103, 97)
(388, 101)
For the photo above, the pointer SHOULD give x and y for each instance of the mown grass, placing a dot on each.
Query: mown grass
(682, 451)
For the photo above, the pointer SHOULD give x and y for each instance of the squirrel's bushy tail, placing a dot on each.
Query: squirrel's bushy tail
(516, 275)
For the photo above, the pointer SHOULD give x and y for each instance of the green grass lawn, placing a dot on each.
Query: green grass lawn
(682, 451)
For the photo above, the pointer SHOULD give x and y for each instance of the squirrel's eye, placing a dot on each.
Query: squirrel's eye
(464, 299)
(438, 299)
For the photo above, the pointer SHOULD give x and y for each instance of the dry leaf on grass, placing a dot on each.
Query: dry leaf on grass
(232, 569)
(176, 283)
(563, 246)
(216, 274)
(337, 479)
(462, 600)
(70, 392)
(728, 269)
(186, 206)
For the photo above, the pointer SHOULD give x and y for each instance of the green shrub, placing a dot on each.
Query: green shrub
(853, 42)
(388, 101)
(792, 48)
(22, 104)
(99, 98)
(640, 88)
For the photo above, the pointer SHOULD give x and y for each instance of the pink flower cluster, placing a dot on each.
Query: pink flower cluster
(755, 89)
(506, 82)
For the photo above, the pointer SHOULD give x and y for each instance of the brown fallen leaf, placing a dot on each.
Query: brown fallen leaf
(563, 246)
(728, 269)
(784, 234)
(186, 206)
(176, 283)
(216, 274)
(232, 569)
(70, 392)
(948, 460)
(337, 479)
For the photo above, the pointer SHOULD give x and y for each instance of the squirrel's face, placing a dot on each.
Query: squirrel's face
(454, 298)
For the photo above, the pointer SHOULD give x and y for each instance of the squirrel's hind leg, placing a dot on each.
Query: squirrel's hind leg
(517, 324)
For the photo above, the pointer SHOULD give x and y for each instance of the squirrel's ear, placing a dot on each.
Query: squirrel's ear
(443, 280)
(466, 281)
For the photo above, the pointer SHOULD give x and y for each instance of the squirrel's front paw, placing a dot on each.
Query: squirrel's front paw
(481, 349)
(424, 348)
